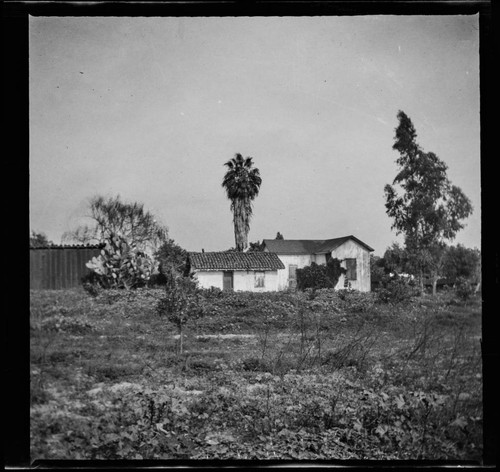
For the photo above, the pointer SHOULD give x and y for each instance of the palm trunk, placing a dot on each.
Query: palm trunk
(240, 220)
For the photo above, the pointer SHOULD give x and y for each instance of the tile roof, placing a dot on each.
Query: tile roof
(234, 261)
(308, 246)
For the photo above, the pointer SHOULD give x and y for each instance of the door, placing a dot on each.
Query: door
(227, 280)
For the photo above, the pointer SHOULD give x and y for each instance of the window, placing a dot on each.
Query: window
(259, 279)
(350, 265)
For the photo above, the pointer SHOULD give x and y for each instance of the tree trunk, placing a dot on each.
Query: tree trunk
(434, 285)
(240, 225)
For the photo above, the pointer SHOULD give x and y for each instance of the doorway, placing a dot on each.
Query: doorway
(227, 280)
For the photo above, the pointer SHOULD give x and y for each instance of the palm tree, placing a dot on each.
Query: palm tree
(242, 183)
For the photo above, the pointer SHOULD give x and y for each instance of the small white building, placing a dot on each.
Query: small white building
(298, 253)
(239, 271)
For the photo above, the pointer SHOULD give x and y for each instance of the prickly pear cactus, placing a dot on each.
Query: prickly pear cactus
(120, 265)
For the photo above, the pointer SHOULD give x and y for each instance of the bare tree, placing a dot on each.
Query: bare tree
(128, 220)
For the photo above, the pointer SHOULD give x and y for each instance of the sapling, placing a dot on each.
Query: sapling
(182, 303)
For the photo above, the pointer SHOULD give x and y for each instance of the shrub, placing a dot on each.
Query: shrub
(320, 276)
(201, 365)
(396, 290)
(73, 325)
(157, 280)
(91, 283)
(355, 301)
(254, 364)
(212, 292)
(464, 289)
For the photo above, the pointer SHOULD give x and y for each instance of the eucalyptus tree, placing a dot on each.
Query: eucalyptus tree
(242, 183)
(425, 207)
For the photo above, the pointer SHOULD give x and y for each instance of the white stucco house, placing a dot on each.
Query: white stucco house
(298, 253)
(239, 271)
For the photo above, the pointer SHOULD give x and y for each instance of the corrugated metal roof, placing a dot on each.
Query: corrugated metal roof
(70, 246)
(235, 261)
(308, 246)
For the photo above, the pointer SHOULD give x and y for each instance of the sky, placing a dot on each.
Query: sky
(150, 109)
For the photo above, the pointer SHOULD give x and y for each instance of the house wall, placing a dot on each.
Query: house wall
(300, 260)
(209, 279)
(245, 280)
(242, 280)
(351, 249)
(319, 258)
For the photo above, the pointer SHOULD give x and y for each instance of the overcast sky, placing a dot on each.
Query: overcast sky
(151, 108)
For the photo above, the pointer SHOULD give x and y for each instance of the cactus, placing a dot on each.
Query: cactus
(120, 265)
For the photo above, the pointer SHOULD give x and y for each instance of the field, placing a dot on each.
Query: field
(261, 376)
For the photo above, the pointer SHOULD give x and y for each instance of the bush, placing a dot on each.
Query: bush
(318, 276)
(91, 285)
(157, 280)
(355, 301)
(254, 364)
(64, 324)
(201, 365)
(396, 290)
(464, 289)
(212, 292)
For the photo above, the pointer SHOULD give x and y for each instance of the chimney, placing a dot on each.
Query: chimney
(202, 250)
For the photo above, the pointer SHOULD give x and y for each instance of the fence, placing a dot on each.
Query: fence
(59, 267)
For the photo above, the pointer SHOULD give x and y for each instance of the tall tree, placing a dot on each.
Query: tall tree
(127, 220)
(429, 209)
(242, 183)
